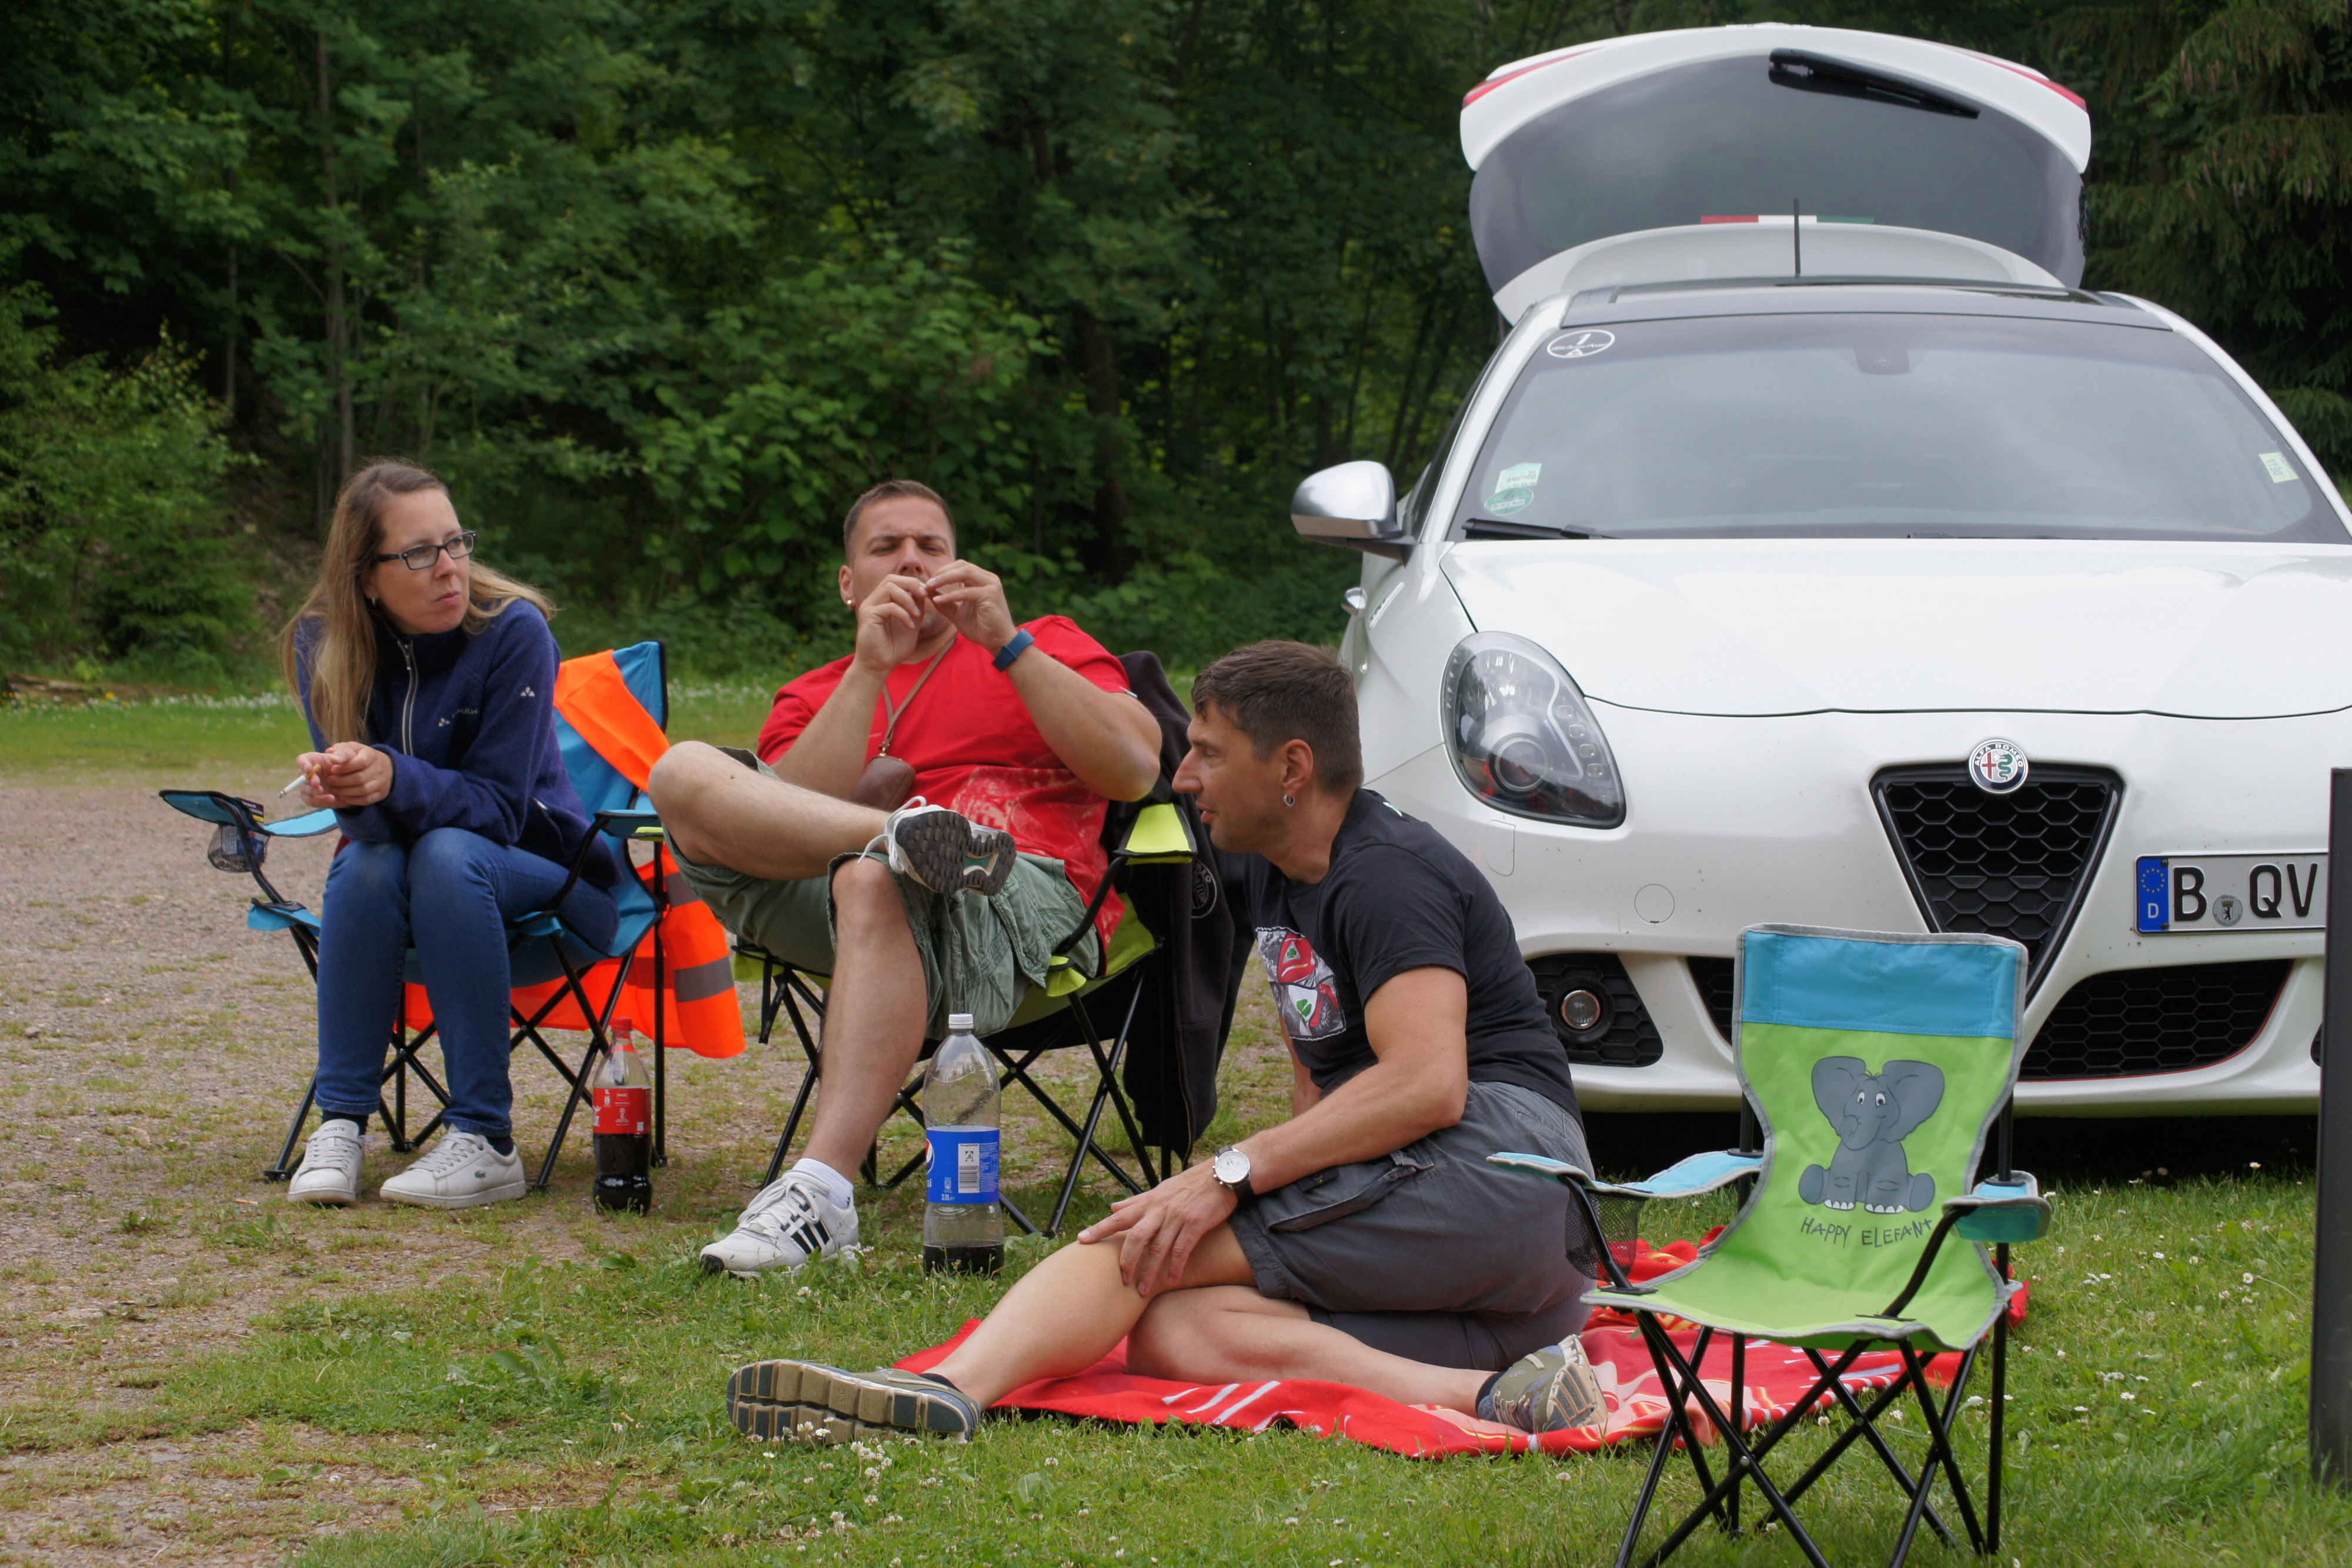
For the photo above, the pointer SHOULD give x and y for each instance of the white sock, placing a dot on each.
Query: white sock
(835, 1184)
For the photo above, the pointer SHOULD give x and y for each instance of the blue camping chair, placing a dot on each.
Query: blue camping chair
(540, 950)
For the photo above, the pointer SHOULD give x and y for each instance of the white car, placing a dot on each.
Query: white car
(1815, 549)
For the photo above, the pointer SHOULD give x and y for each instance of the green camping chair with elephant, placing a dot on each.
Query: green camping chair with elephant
(1880, 1069)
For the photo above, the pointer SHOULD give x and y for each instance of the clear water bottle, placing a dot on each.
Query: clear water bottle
(622, 1092)
(963, 1225)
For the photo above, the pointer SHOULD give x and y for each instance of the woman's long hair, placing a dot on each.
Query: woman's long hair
(343, 659)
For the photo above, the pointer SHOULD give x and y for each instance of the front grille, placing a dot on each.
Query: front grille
(1713, 977)
(2130, 1022)
(1623, 1035)
(2010, 865)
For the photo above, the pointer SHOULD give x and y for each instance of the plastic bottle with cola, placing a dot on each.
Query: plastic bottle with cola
(622, 1092)
(963, 1225)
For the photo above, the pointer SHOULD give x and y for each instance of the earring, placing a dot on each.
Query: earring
(1290, 800)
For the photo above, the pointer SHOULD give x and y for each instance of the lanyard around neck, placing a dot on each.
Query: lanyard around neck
(899, 710)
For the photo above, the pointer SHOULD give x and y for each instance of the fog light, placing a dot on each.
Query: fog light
(1581, 1011)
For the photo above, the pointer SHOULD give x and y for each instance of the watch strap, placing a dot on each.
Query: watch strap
(1022, 643)
(1243, 1193)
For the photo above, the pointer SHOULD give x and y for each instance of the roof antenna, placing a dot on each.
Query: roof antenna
(1797, 234)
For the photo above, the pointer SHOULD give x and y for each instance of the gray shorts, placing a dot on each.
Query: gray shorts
(981, 956)
(1431, 1254)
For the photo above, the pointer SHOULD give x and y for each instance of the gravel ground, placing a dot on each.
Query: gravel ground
(153, 1050)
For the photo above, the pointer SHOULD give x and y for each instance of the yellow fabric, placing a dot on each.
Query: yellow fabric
(1158, 837)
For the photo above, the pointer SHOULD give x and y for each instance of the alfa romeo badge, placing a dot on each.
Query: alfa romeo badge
(1997, 766)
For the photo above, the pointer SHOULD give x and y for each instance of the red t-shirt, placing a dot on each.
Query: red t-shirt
(973, 747)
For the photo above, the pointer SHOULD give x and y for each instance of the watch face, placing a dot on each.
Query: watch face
(1233, 1166)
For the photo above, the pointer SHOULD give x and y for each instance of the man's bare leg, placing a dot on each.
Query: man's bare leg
(1230, 1334)
(874, 1016)
(1067, 1311)
(719, 813)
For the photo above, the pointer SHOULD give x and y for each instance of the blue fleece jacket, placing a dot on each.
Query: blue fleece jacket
(469, 722)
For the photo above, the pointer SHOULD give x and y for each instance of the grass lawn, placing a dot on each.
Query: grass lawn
(537, 1384)
(572, 1413)
(52, 742)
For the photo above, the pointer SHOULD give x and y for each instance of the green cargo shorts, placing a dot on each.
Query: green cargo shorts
(981, 956)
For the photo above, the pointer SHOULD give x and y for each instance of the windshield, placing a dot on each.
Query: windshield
(1887, 425)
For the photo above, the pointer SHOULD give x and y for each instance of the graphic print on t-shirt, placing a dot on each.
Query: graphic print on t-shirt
(1302, 982)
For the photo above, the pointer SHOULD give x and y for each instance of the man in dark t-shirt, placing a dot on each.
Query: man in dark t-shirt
(1397, 897)
(1366, 1240)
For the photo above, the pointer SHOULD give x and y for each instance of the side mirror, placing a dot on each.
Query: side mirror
(1354, 505)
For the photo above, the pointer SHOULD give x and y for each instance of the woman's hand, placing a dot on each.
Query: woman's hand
(345, 776)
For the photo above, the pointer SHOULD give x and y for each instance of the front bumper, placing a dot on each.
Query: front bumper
(1733, 823)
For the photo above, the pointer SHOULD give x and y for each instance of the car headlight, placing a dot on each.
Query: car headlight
(1522, 738)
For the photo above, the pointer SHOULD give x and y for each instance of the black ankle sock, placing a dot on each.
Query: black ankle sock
(503, 1144)
(359, 1121)
(1486, 1401)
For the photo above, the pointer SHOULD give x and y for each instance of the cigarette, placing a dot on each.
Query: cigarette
(290, 784)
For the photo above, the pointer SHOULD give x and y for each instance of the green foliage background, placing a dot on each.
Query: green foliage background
(661, 284)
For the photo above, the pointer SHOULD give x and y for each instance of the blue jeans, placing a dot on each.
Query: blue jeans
(448, 894)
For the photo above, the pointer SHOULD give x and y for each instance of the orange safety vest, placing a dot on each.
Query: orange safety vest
(693, 997)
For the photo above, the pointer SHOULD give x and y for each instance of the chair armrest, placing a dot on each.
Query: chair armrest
(1685, 1178)
(641, 823)
(309, 825)
(1997, 1212)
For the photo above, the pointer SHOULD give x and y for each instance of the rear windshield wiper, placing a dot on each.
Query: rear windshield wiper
(1495, 529)
(1810, 72)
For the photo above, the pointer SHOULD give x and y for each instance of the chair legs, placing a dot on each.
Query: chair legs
(786, 994)
(1679, 1380)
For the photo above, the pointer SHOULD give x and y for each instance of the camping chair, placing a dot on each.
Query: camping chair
(552, 966)
(1876, 1065)
(1059, 1014)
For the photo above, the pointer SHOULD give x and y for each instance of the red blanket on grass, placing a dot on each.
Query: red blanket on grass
(1776, 1377)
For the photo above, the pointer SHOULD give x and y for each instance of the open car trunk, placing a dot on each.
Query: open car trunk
(1694, 130)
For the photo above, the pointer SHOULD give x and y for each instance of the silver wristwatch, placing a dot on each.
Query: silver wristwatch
(1233, 1172)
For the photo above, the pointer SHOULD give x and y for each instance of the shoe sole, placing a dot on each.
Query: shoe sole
(804, 1399)
(938, 848)
(324, 1199)
(468, 1200)
(716, 1266)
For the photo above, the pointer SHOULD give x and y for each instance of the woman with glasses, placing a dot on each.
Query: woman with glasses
(429, 684)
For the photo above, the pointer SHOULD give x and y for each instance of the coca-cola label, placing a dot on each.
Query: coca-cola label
(624, 1108)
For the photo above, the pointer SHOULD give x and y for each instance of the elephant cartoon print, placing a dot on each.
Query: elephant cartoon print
(1873, 1113)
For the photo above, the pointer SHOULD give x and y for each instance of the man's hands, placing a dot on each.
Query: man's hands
(1157, 1230)
(974, 600)
(898, 616)
(345, 775)
(891, 624)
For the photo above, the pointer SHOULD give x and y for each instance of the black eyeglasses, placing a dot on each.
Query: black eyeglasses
(419, 558)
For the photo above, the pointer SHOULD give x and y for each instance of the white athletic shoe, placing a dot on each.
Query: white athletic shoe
(462, 1172)
(792, 1220)
(329, 1172)
(947, 852)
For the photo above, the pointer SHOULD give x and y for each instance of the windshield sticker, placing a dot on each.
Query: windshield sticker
(1515, 490)
(2274, 463)
(1579, 345)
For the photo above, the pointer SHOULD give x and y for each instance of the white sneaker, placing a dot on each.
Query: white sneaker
(792, 1220)
(329, 1172)
(462, 1172)
(947, 852)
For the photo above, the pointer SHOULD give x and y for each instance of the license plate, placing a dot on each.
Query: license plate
(2232, 892)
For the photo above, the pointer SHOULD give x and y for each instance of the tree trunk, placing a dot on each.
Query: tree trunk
(1099, 366)
(229, 348)
(338, 322)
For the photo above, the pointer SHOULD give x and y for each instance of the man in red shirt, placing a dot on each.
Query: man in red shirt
(1018, 736)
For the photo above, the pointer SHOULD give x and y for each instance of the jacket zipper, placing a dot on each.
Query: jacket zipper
(408, 703)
